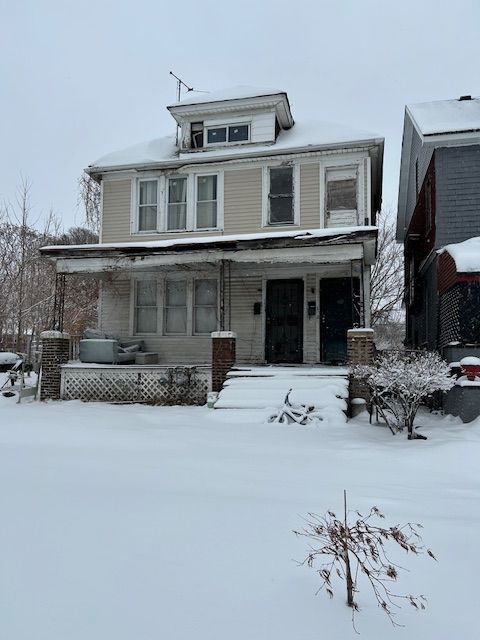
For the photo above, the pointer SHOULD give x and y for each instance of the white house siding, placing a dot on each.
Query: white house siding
(116, 210)
(263, 127)
(310, 195)
(243, 200)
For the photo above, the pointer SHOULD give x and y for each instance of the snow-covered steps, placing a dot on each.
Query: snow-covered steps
(325, 388)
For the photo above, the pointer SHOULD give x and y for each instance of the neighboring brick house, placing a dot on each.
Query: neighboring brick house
(438, 205)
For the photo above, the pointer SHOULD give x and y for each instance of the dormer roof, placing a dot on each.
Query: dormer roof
(234, 99)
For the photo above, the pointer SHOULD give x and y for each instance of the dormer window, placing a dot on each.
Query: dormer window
(228, 134)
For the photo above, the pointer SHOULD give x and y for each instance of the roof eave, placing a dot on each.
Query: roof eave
(95, 172)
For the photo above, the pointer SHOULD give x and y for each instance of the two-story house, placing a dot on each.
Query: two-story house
(438, 205)
(244, 221)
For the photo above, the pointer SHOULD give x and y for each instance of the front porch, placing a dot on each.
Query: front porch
(289, 297)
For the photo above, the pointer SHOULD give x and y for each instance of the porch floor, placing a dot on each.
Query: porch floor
(265, 387)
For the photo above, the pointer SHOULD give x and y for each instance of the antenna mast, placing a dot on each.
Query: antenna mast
(180, 84)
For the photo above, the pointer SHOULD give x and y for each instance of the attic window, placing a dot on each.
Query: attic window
(197, 135)
(228, 133)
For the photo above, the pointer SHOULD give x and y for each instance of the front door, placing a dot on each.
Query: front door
(284, 321)
(338, 313)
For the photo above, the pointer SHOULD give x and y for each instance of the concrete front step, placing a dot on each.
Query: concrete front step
(266, 387)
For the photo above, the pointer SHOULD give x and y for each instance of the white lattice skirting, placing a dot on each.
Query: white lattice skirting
(160, 385)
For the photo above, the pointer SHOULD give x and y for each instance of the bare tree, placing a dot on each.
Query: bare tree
(387, 278)
(348, 551)
(90, 197)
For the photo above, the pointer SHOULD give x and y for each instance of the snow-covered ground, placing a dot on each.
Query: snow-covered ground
(141, 523)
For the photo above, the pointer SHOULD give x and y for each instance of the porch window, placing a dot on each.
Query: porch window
(341, 196)
(280, 197)
(205, 306)
(175, 306)
(146, 306)
(206, 202)
(177, 204)
(147, 205)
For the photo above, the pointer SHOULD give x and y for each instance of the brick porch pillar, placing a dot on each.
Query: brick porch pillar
(55, 352)
(360, 350)
(223, 356)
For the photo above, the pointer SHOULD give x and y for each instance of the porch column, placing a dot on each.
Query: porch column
(360, 350)
(223, 356)
(55, 352)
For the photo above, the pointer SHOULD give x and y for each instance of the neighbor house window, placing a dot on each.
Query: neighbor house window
(206, 206)
(205, 306)
(146, 306)
(280, 196)
(175, 306)
(147, 205)
(177, 204)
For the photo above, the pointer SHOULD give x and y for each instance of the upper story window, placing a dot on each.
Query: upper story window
(192, 202)
(147, 205)
(280, 196)
(206, 202)
(177, 204)
(228, 133)
(341, 196)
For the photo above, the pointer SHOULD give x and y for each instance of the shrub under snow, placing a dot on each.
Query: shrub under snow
(400, 381)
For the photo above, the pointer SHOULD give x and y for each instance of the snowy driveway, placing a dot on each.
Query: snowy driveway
(144, 523)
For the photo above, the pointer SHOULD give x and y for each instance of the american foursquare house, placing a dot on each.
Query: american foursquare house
(246, 222)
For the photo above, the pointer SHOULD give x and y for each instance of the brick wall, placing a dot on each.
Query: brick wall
(55, 352)
(223, 356)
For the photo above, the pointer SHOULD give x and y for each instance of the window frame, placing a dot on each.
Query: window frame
(219, 201)
(194, 305)
(134, 306)
(167, 202)
(266, 193)
(349, 170)
(138, 205)
(227, 126)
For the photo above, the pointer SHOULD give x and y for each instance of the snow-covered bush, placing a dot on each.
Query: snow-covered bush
(400, 381)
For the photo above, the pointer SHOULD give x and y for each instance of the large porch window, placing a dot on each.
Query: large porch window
(146, 306)
(189, 306)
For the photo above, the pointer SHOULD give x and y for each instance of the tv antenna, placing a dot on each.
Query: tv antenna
(180, 84)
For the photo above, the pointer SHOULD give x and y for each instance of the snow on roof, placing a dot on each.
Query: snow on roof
(466, 255)
(232, 93)
(446, 116)
(303, 135)
(166, 244)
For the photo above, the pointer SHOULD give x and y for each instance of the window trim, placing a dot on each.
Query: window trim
(193, 222)
(227, 127)
(137, 204)
(266, 192)
(133, 304)
(166, 203)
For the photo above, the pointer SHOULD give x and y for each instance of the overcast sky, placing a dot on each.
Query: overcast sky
(81, 79)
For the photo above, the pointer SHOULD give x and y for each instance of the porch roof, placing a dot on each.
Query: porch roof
(311, 245)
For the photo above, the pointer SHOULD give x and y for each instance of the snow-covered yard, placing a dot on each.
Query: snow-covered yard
(140, 523)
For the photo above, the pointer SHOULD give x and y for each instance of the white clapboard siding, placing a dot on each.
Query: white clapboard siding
(245, 291)
(309, 196)
(116, 211)
(263, 127)
(243, 200)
